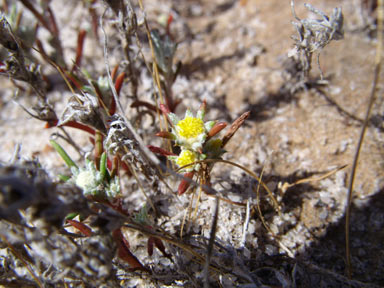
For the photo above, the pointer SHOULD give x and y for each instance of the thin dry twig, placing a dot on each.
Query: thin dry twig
(286, 185)
(210, 243)
(376, 77)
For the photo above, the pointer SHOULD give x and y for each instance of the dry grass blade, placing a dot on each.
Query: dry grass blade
(378, 62)
(287, 185)
(275, 203)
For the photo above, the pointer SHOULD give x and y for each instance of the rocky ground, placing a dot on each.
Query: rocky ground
(234, 55)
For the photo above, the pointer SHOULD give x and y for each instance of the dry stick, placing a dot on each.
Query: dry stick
(209, 191)
(379, 47)
(155, 75)
(60, 70)
(289, 253)
(37, 14)
(284, 187)
(210, 244)
(155, 68)
(147, 153)
(118, 103)
(144, 148)
(276, 204)
(246, 223)
(197, 203)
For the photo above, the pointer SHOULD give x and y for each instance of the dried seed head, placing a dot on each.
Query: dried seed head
(7, 38)
(88, 112)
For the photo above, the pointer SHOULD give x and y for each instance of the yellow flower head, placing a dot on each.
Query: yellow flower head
(190, 127)
(186, 157)
(190, 133)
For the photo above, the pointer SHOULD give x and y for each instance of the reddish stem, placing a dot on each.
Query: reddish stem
(158, 150)
(124, 253)
(72, 124)
(114, 73)
(165, 109)
(234, 127)
(98, 94)
(168, 28)
(150, 242)
(115, 167)
(55, 31)
(41, 49)
(118, 84)
(37, 14)
(118, 205)
(139, 103)
(160, 245)
(79, 49)
(81, 227)
(166, 135)
(74, 81)
(95, 21)
(184, 184)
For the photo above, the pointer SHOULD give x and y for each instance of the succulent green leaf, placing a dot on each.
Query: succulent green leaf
(63, 154)
(70, 216)
(103, 167)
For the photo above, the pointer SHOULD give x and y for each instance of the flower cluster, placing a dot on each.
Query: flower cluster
(191, 134)
(194, 137)
(93, 182)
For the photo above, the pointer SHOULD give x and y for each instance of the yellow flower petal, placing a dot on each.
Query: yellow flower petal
(190, 127)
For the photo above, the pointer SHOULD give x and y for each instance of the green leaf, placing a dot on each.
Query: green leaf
(64, 178)
(72, 215)
(104, 175)
(63, 154)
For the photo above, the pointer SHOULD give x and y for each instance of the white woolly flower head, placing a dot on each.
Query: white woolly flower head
(89, 179)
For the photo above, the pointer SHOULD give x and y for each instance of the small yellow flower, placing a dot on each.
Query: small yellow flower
(190, 127)
(186, 157)
(190, 133)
